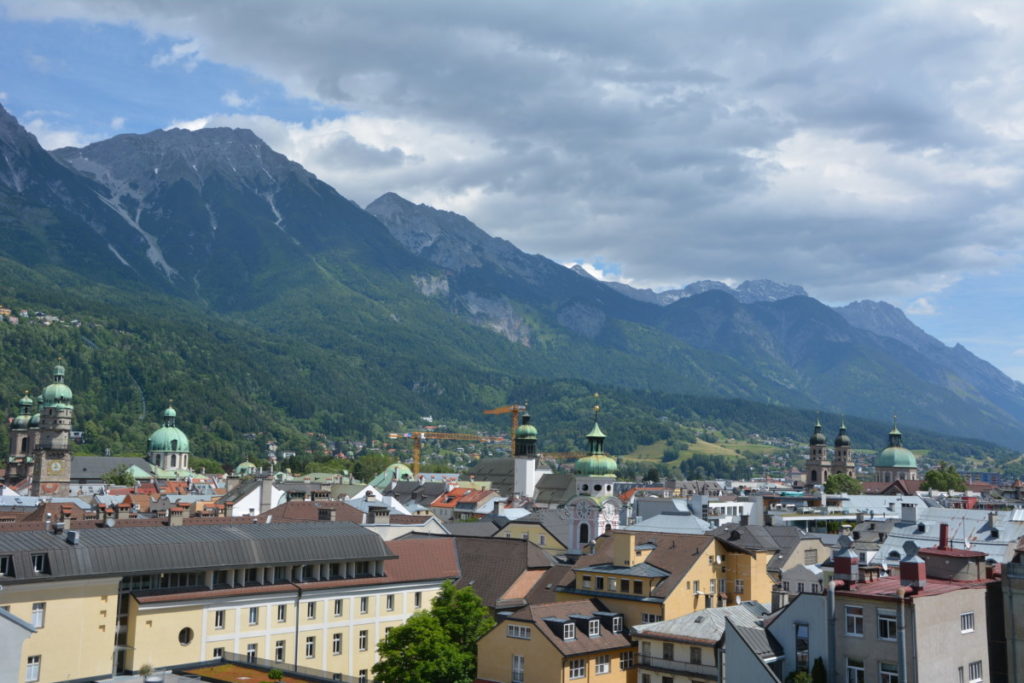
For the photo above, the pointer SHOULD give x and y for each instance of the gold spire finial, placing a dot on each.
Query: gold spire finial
(597, 406)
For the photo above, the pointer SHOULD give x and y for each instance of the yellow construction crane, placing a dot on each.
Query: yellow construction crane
(515, 410)
(420, 436)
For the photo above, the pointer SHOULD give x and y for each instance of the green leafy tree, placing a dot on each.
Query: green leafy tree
(944, 478)
(370, 465)
(421, 651)
(119, 477)
(799, 677)
(652, 475)
(842, 483)
(463, 615)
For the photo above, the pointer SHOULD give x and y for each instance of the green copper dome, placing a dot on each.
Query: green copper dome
(168, 438)
(57, 393)
(34, 421)
(596, 466)
(526, 431)
(26, 403)
(21, 422)
(896, 455)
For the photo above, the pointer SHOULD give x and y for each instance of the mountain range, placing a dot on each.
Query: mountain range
(340, 318)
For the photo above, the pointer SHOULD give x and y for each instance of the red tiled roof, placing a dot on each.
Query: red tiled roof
(461, 495)
(885, 588)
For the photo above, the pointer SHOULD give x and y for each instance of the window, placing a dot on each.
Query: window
(417, 600)
(887, 625)
(568, 631)
(577, 668)
(594, 628)
(888, 673)
(974, 672)
(526, 536)
(336, 643)
(638, 587)
(6, 565)
(279, 651)
(854, 671)
(310, 647)
(32, 668)
(185, 636)
(254, 616)
(854, 621)
(967, 622)
(518, 631)
(586, 582)
(38, 614)
(811, 556)
(218, 619)
(39, 564)
(695, 655)
(311, 610)
(339, 608)
(390, 603)
(800, 587)
(218, 652)
(785, 586)
(364, 676)
(599, 583)
(803, 647)
(364, 637)
(603, 665)
(612, 584)
(649, 618)
(518, 669)
(667, 651)
(364, 605)
(542, 540)
(626, 660)
(616, 624)
(282, 612)
(387, 631)
(738, 586)
(250, 653)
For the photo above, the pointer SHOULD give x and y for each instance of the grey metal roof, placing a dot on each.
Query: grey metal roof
(678, 523)
(970, 526)
(760, 642)
(643, 570)
(707, 624)
(135, 550)
(95, 466)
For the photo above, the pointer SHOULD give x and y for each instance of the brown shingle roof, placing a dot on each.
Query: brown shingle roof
(309, 511)
(673, 553)
(583, 643)
(493, 565)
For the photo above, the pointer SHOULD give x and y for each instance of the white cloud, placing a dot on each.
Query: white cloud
(232, 99)
(860, 149)
(1019, 352)
(921, 306)
(3, 95)
(54, 138)
(117, 123)
(603, 275)
(186, 53)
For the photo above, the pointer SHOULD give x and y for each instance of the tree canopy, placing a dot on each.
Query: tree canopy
(119, 477)
(437, 646)
(944, 478)
(842, 483)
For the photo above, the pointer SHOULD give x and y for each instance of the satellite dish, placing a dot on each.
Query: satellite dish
(909, 550)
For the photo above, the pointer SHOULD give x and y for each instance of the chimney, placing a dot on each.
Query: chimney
(228, 507)
(845, 563)
(909, 513)
(913, 571)
(378, 514)
(176, 518)
(943, 536)
(266, 492)
(623, 548)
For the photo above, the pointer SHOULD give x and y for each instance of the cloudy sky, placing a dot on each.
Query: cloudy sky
(861, 149)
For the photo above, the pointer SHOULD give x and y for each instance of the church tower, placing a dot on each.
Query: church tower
(21, 442)
(842, 460)
(819, 467)
(595, 509)
(168, 446)
(52, 454)
(525, 459)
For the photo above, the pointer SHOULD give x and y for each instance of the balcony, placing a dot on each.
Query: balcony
(706, 671)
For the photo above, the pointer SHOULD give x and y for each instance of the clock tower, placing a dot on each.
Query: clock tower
(52, 454)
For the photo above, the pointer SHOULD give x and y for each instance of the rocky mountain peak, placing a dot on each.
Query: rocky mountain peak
(162, 157)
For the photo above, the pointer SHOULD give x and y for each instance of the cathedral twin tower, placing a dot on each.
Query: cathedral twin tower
(819, 466)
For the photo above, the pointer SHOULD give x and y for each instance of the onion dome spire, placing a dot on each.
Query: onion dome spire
(818, 437)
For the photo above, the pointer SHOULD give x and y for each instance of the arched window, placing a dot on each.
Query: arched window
(584, 533)
(174, 460)
(814, 475)
(24, 444)
(174, 444)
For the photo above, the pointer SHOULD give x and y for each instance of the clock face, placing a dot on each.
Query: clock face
(56, 466)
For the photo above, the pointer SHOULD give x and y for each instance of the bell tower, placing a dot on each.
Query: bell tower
(52, 454)
(842, 461)
(818, 467)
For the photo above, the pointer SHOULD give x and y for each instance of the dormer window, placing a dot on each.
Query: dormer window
(616, 624)
(594, 628)
(40, 565)
(568, 631)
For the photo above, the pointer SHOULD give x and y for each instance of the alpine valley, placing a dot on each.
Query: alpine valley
(206, 268)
